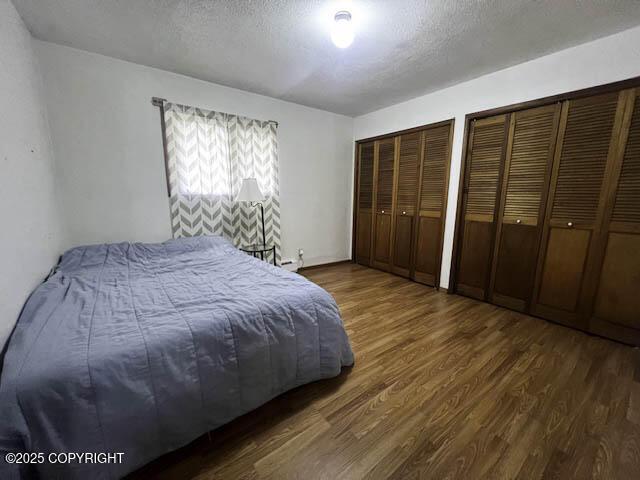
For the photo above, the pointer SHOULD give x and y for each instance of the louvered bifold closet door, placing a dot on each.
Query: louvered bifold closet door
(530, 149)
(616, 311)
(364, 216)
(432, 204)
(487, 144)
(384, 180)
(405, 206)
(486, 149)
(574, 206)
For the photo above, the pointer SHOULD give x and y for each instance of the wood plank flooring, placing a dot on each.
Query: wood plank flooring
(443, 387)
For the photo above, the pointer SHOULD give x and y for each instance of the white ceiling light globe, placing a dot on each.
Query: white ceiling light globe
(342, 31)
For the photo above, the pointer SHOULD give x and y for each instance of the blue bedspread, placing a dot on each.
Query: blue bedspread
(141, 348)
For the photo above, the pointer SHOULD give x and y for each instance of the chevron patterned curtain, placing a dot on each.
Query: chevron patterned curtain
(208, 156)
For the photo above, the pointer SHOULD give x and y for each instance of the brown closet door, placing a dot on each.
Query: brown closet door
(530, 149)
(365, 203)
(405, 206)
(385, 152)
(616, 311)
(436, 152)
(584, 140)
(487, 144)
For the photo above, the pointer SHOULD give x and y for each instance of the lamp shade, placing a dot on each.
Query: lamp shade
(250, 192)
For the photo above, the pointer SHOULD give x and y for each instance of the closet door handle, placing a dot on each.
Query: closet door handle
(518, 221)
(404, 213)
(569, 224)
(382, 211)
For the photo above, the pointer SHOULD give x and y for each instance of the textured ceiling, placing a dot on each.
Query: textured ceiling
(280, 48)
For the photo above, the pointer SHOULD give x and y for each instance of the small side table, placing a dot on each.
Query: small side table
(262, 250)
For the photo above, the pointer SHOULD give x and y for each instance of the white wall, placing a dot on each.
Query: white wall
(31, 233)
(108, 147)
(609, 59)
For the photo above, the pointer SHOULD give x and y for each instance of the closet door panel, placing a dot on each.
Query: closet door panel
(486, 154)
(618, 298)
(617, 301)
(402, 245)
(383, 203)
(474, 262)
(515, 265)
(365, 204)
(575, 201)
(432, 202)
(405, 201)
(427, 249)
(526, 178)
(383, 240)
(363, 236)
(563, 268)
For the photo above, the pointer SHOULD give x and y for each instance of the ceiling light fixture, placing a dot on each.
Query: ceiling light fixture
(342, 31)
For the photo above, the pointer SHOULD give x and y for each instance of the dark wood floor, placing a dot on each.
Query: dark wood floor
(443, 387)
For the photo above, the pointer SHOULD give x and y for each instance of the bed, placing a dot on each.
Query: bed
(139, 349)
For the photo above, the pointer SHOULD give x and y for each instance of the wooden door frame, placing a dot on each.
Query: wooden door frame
(356, 195)
(427, 126)
(470, 117)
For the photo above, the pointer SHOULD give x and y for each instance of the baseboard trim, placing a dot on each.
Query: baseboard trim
(321, 265)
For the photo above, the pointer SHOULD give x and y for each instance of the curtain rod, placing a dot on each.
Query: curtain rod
(159, 102)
